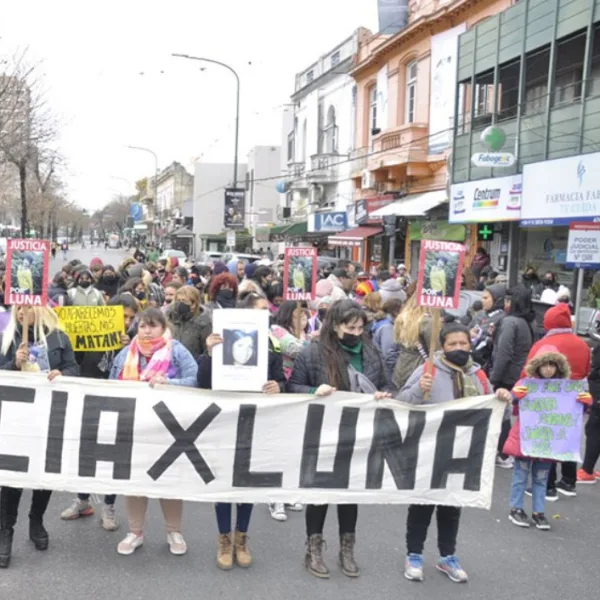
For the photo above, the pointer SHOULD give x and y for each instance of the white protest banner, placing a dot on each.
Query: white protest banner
(583, 246)
(173, 442)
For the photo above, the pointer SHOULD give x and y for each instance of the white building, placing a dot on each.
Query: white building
(322, 133)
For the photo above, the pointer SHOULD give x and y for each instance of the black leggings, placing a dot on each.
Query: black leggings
(592, 441)
(9, 505)
(417, 524)
(316, 513)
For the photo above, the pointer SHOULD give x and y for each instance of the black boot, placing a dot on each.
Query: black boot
(38, 534)
(6, 538)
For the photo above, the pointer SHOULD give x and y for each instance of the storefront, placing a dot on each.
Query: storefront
(556, 193)
(491, 207)
(363, 243)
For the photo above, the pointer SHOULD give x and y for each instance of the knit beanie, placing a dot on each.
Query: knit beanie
(219, 267)
(96, 262)
(250, 269)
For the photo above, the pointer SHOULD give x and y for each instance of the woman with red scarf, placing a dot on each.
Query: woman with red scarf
(154, 357)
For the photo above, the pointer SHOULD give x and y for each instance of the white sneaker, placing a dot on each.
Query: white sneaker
(296, 507)
(277, 511)
(130, 544)
(109, 518)
(505, 463)
(177, 544)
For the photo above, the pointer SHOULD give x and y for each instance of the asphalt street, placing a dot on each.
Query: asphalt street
(503, 561)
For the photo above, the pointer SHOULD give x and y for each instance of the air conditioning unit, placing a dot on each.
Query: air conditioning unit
(367, 180)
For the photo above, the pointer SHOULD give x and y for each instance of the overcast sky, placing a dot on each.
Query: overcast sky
(111, 81)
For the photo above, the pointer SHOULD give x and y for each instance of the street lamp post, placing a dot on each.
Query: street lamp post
(155, 182)
(237, 106)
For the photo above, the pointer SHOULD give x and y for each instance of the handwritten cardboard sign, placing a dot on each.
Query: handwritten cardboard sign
(551, 419)
(93, 328)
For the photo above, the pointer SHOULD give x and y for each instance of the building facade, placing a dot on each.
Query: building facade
(528, 89)
(174, 186)
(405, 93)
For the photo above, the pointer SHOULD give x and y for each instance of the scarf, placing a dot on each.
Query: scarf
(158, 353)
(463, 386)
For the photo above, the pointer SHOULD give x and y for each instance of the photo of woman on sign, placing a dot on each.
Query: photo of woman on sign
(27, 272)
(440, 273)
(239, 348)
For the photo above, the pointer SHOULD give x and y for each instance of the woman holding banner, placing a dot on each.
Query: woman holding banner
(154, 357)
(47, 349)
(343, 358)
(453, 375)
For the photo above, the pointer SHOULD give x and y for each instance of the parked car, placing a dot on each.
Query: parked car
(178, 254)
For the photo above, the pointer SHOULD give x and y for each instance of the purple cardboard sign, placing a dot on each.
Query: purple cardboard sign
(4, 319)
(551, 419)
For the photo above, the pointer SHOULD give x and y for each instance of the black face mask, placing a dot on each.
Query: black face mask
(458, 357)
(322, 312)
(351, 340)
(183, 310)
(548, 282)
(527, 276)
(140, 295)
(226, 298)
(108, 278)
(85, 284)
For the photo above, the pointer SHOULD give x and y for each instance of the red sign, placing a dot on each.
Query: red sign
(27, 272)
(300, 274)
(367, 206)
(440, 274)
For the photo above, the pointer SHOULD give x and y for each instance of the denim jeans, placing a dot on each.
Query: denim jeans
(223, 510)
(539, 479)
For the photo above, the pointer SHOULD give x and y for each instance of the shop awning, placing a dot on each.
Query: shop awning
(353, 237)
(414, 205)
(289, 229)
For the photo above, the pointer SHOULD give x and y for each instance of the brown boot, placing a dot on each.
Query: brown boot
(242, 554)
(313, 561)
(224, 552)
(346, 557)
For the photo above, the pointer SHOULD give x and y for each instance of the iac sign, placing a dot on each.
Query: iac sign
(335, 221)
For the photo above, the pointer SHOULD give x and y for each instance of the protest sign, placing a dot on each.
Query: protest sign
(583, 245)
(27, 272)
(93, 328)
(175, 442)
(440, 271)
(551, 419)
(300, 274)
(241, 362)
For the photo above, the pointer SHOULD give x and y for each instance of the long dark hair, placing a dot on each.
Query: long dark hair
(286, 313)
(336, 364)
(520, 303)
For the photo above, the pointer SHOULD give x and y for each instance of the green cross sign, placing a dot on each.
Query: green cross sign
(494, 138)
(485, 233)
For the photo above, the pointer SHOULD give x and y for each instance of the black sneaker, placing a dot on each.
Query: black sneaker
(567, 489)
(519, 517)
(540, 521)
(551, 495)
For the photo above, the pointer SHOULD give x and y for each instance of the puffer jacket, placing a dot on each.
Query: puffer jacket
(192, 332)
(512, 344)
(443, 388)
(310, 370)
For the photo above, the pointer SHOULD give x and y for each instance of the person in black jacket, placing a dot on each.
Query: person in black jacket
(54, 355)
(227, 547)
(97, 365)
(587, 473)
(513, 339)
(58, 290)
(343, 358)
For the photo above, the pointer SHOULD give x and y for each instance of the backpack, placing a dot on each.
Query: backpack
(481, 376)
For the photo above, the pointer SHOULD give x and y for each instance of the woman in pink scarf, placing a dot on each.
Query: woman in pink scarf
(154, 357)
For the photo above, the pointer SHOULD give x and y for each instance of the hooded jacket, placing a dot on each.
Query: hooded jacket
(85, 297)
(192, 332)
(392, 289)
(337, 292)
(443, 387)
(559, 333)
(544, 355)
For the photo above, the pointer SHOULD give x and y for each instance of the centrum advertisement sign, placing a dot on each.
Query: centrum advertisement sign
(486, 200)
(560, 191)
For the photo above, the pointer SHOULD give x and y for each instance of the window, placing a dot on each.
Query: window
(536, 81)
(335, 58)
(593, 85)
(508, 89)
(353, 120)
(569, 68)
(331, 132)
(320, 127)
(410, 100)
(304, 140)
(372, 111)
(483, 106)
(463, 120)
(290, 147)
(310, 75)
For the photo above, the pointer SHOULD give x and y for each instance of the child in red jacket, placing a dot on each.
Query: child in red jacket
(548, 363)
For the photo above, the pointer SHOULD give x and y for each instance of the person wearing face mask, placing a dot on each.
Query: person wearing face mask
(189, 322)
(58, 290)
(136, 287)
(170, 292)
(108, 283)
(83, 294)
(453, 375)
(341, 358)
(223, 291)
(234, 548)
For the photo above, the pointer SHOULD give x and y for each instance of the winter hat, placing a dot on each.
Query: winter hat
(548, 354)
(324, 288)
(136, 270)
(392, 289)
(497, 290)
(96, 262)
(558, 317)
(220, 267)
(232, 266)
(364, 288)
(80, 272)
(250, 270)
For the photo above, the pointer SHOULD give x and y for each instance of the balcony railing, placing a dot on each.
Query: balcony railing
(404, 144)
(324, 167)
(296, 170)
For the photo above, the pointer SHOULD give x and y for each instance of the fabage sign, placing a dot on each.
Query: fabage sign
(27, 272)
(440, 270)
